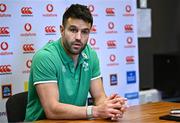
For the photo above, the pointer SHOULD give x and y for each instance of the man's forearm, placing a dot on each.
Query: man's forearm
(66, 111)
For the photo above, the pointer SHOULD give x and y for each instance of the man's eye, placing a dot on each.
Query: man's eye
(85, 32)
(74, 30)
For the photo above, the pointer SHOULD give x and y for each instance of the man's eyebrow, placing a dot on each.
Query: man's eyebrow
(86, 29)
(73, 26)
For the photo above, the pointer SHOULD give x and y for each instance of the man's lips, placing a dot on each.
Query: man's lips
(77, 45)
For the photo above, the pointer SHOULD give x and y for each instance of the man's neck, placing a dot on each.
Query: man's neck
(74, 57)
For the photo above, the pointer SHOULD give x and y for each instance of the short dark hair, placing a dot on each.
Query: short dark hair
(78, 11)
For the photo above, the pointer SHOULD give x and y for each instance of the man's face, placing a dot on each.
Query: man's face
(75, 35)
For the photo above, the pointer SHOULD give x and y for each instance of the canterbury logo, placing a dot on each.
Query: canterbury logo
(2, 7)
(50, 29)
(128, 27)
(28, 47)
(5, 69)
(110, 11)
(26, 10)
(4, 30)
(93, 29)
(111, 43)
(130, 58)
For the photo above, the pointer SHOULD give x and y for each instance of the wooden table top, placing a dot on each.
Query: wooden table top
(146, 113)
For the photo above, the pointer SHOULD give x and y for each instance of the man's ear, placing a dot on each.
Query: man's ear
(61, 29)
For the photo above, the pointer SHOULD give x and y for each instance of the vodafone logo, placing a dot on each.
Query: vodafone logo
(28, 48)
(91, 8)
(111, 44)
(128, 28)
(128, 11)
(4, 45)
(27, 27)
(129, 40)
(92, 41)
(26, 10)
(50, 29)
(49, 7)
(111, 25)
(130, 44)
(28, 63)
(2, 7)
(112, 57)
(110, 11)
(4, 30)
(28, 66)
(5, 69)
(128, 8)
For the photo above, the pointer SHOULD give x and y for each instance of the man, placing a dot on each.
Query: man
(64, 71)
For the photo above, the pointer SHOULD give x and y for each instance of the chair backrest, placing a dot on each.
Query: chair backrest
(16, 107)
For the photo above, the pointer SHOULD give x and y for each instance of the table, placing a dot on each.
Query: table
(146, 113)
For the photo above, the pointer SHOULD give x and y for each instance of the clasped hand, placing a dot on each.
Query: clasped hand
(113, 107)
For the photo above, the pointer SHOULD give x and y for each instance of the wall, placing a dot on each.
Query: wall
(165, 31)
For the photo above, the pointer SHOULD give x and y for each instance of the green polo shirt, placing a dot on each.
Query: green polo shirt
(52, 64)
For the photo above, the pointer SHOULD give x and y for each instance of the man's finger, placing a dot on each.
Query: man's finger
(112, 96)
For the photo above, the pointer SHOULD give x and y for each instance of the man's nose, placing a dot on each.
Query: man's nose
(78, 35)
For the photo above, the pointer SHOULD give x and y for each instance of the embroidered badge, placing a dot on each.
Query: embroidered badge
(84, 55)
(85, 66)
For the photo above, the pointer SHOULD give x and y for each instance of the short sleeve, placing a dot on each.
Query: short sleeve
(43, 68)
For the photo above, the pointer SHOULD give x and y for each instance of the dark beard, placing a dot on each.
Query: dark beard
(67, 48)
